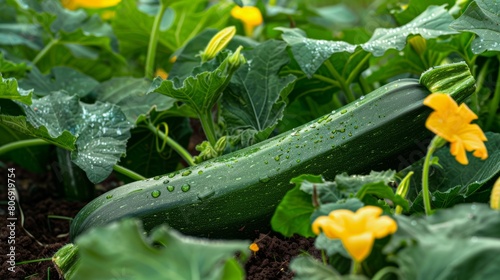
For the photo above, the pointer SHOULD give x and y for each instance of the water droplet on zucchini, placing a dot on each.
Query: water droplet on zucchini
(155, 193)
(186, 173)
(185, 187)
(264, 179)
(170, 188)
(109, 196)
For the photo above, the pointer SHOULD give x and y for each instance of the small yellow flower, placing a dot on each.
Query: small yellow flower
(218, 42)
(254, 248)
(92, 4)
(452, 123)
(357, 231)
(250, 16)
(162, 73)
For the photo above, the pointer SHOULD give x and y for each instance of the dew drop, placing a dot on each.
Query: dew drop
(343, 111)
(185, 187)
(155, 193)
(264, 179)
(166, 182)
(298, 160)
(109, 196)
(277, 158)
(205, 195)
(170, 188)
(200, 172)
(156, 177)
(186, 173)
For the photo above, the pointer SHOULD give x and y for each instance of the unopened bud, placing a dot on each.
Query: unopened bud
(419, 44)
(237, 59)
(218, 43)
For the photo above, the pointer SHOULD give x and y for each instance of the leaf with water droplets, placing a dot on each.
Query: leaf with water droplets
(101, 130)
(10, 90)
(130, 94)
(483, 19)
(253, 101)
(311, 53)
(60, 78)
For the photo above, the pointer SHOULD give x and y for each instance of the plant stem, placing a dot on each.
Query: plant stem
(435, 143)
(357, 69)
(495, 102)
(34, 261)
(127, 172)
(45, 50)
(479, 82)
(356, 268)
(208, 127)
(153, 42)
(22, 144)
(387, 270)
(174, 145)
(343, 85)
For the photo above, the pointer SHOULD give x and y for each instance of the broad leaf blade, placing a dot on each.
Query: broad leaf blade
(60, 78)
(101, 130)
(481, 18)
(9, 90)
(253, 102)
(104, 256)
(455, 182)
(310, 53)
(130, 94)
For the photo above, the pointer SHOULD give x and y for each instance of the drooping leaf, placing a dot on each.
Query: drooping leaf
(130, 94)
(9, 90)
(462, 242)
(454, 182)
(310, 53)
(481, 18)
(60, 78)
(104, 256)
(18, 123)
(253, 102)
(101, 130)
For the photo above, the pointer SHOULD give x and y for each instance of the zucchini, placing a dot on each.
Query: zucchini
(235, 194)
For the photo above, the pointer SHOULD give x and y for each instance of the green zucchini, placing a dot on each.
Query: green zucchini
(233, 195)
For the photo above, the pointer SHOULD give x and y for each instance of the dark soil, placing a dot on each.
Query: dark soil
(39, 199)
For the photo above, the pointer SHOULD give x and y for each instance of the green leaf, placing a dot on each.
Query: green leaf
(103, 254)
(293, 214)
(60, 78)
(308, 268)
(15, 34)
(130, 94)
(101, 130)
(481, 18)
(462, 242)
(253, 102)
(454, 182)
(416, 7)
(203, 89)
(189, 19)
(310, 53)
(188, 58)
(12, 68)
(65, 140)
(9, 90)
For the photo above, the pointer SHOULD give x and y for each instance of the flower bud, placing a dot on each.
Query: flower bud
(218, 43)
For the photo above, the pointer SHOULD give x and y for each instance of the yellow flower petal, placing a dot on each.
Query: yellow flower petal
(250, 16)
(92, 4)
(329, 227)
(452, 123)
(381, 227)
(359, 246)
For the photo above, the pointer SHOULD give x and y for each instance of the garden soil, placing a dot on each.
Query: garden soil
(39, 201)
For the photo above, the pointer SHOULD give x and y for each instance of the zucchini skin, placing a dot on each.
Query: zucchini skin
(236, 194)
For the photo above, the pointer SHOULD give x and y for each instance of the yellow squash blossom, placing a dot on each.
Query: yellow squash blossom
(357, 231)
(452, 123)
(161, 73)
(495, 195)
(254, 248)
(250, 16)
(90, 4)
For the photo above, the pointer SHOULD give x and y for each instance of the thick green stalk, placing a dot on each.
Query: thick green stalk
(127, 172)
(174, 145)
(45, 50)
(494, 104)
(207, 124)
(480, 82)
(436, 143)
(153, 42)
(22, 144)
